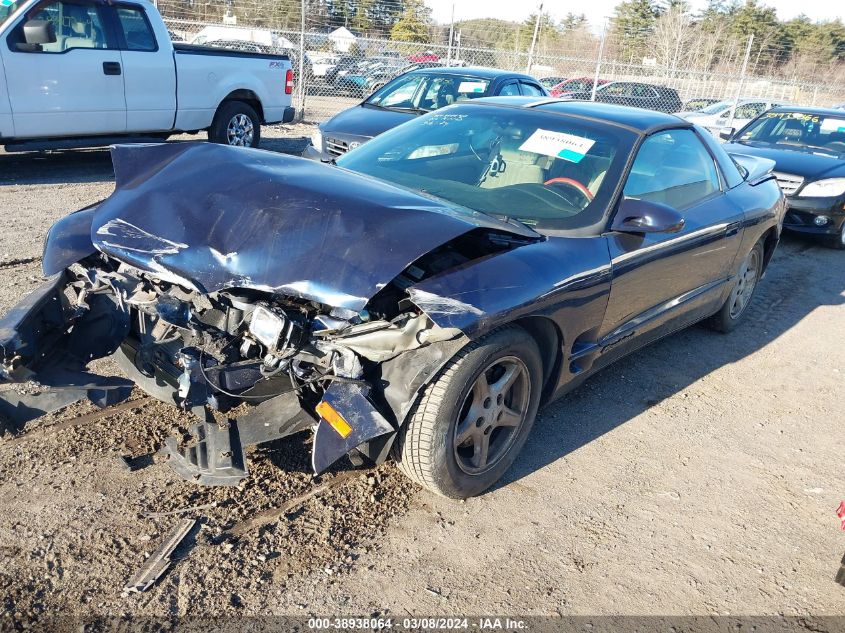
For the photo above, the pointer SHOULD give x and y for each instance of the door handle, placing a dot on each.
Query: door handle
(111, 68)
(733, 228)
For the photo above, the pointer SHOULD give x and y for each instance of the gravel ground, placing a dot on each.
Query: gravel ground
(697, 477)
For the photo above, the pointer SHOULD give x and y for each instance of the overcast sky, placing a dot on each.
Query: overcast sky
(595, 10)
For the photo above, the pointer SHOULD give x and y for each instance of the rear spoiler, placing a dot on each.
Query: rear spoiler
(755, 168)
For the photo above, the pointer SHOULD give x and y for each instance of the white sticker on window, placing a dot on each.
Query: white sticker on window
(833, 125)
(475, 87)
(558, 144)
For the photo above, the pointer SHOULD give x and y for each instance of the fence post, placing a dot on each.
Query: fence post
(741, 80)
(451, 36)
(598, 61)
(534, 40)
(301, 70)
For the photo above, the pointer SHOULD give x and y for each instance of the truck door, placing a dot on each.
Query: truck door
(149, 73)
(70, 87)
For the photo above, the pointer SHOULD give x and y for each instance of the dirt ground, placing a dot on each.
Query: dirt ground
(699, 476)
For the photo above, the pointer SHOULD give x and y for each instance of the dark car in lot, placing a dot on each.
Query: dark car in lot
(408, 96)
(579, 85)
(634, 94)
(808, 147)
(422, 298)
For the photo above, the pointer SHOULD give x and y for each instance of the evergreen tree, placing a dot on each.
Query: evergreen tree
(414, 25)
(633, 25)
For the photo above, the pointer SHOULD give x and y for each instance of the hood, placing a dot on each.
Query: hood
(364, 120)
(212, 217)
(801, 163)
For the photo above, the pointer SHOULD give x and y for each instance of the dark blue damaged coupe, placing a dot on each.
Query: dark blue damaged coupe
(420, 299)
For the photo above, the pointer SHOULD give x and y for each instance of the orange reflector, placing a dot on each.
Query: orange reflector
(335, 420)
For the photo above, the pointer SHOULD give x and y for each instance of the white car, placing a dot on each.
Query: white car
(321, 63)
(717, 117)
(85, 73)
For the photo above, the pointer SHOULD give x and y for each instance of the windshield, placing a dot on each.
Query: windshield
(421, 91)
(797, 130)
(548, 171)
(7, 8)
(716, 108)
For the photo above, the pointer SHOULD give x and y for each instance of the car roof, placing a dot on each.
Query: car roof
(638, 120)
(476, 71)
(808, 110)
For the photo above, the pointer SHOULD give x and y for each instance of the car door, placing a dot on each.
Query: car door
(73, 86)
(664, 281)
(149, 73)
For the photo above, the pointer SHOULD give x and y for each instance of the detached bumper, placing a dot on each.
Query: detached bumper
(46, 342)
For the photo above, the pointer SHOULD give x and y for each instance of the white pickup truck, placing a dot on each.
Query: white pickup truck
(83, 73)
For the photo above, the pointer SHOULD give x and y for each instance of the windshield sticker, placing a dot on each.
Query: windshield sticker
(558, 144)
(800, 116)
(476, 87)
(833, 125)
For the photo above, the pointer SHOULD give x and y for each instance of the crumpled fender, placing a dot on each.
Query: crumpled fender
(68, 241)
(538, 279)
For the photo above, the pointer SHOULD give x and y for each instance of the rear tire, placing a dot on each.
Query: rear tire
(733, 311)
(473, 419)
(236, 123)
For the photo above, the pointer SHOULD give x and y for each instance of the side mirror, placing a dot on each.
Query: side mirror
(726, 133)
(642, 216)
(39, 32)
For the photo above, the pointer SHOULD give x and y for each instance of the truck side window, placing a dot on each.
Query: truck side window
(77, 25)
(136, 29)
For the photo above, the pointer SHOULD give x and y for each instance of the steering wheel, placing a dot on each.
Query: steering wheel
(571, 182)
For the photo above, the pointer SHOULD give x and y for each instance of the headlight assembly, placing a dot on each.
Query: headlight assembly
(266, 326)
(828, 188)
(317, 140)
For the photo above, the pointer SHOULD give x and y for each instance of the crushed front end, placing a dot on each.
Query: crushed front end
(277, 364)
(283, 304)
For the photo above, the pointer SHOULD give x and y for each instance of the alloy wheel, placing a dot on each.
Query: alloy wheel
(747, 281)
(492, 414)
(239, 131)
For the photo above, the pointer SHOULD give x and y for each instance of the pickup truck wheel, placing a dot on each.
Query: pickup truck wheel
(473, 419)
(236, 123)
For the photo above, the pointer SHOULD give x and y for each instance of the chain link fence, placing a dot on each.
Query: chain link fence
(336, 68)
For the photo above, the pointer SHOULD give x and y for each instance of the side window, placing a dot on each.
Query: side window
(137, 32)
(673, 168)
(77, 25)
(510, 90)
(749, 110)
(530, 89)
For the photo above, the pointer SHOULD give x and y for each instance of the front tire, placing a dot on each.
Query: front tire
(733, 311)
(236, 123)
(838, 242)
(473, 419)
